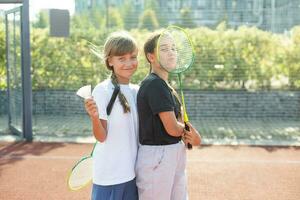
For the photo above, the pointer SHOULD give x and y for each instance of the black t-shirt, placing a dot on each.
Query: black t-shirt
(155, 96)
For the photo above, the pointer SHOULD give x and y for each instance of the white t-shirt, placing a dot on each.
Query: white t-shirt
(114, 159)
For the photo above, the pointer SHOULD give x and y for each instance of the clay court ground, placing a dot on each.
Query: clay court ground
(34, 171)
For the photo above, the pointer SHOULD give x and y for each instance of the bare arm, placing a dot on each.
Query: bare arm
(172, 126)
(192, 136)
(99, 125)
(99, 129)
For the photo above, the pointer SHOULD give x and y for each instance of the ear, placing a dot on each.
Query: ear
(109, 61)
(151, 57)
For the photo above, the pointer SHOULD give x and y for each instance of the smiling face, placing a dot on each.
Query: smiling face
(120, 51)
(124, 65)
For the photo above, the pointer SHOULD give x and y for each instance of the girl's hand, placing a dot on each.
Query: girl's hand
(192, 136)
(91, 108)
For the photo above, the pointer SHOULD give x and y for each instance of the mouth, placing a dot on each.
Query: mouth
(128, 69)
(172, 57)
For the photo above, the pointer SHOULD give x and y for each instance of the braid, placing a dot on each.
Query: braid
(173, 91)
(122, 98)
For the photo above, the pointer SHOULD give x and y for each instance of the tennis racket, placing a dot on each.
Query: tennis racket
(81, 174)
(175, 54)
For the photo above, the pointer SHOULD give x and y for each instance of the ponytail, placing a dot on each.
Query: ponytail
(173, 91)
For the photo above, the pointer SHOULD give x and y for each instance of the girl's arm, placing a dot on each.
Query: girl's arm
(99, 129)
(172, 126)
(192, 136)
(99, 125)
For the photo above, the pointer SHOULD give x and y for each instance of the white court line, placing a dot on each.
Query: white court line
(246, 161)
(41, 157)
(188, 160)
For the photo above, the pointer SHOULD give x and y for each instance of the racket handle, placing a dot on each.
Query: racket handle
(189, 146)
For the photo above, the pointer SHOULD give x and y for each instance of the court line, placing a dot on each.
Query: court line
(253, 161)
(41, 157)
(246, 161)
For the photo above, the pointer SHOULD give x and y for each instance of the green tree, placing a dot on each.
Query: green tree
(152, 4)
(42, 20)
(97, 18)
(295, 66)
(290, 59)
(234, 59)
(246, 58)
(158, 10)
(2, 56)
(80, 21)
(148, 20)
(130, 15)
(114, 19)
(186, 18)
(65, 63)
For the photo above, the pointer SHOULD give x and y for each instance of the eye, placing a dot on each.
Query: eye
(121, 59)
(164, 49)
(133, 57)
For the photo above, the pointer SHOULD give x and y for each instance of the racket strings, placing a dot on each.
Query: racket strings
(183, 49)
(81, 174)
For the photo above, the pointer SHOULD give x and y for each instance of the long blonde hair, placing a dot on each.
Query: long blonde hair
(118, 44)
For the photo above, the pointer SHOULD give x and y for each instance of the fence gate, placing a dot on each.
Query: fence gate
(18, 71)
(14, 69)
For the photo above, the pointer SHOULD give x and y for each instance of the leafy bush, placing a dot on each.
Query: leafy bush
(148, 20)
(246, 58)
(2, 56)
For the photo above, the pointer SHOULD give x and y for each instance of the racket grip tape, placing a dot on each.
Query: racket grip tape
(189, 146)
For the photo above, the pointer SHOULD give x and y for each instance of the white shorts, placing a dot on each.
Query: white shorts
(161, 172)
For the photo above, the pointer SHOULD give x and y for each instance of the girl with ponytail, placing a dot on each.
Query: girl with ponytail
(114, 120)
(161, 158)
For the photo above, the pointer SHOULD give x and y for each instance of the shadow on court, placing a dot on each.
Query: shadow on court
(11, 153)
(39, 170)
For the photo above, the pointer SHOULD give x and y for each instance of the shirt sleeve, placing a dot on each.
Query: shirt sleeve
(159, 97)
(100, 96)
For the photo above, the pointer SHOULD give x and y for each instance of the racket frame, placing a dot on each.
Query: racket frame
(190, 41)
(179, 73)
(77, 163)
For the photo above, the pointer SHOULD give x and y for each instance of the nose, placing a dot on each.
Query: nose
(128, 64)
(172, 54)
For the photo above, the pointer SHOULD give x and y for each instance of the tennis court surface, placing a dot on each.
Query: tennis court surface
(38, 171)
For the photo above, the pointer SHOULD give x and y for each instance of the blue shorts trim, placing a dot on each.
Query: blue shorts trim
(123, 191)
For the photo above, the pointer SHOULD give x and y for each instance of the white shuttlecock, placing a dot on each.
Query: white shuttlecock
(85, 91)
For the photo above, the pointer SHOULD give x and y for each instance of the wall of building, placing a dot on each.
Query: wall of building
(271, 15)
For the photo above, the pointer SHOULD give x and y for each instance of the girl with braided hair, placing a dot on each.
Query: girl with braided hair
(114, 118)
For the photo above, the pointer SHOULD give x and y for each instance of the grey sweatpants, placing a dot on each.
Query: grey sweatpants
(161, 172)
